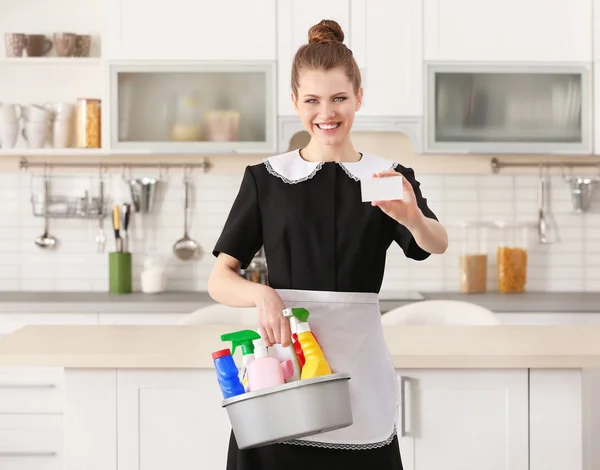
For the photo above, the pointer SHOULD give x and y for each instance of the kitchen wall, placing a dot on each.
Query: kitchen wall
(455, 192)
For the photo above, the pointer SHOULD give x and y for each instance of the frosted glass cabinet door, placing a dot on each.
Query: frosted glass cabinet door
(220, 108)
(509, 109)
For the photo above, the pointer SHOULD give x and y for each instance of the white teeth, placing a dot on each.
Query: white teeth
(327, 126)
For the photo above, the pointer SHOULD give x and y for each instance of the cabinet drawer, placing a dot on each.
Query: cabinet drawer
(31, 442)
(31, 390)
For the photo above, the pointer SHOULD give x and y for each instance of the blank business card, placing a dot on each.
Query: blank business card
(381, 189)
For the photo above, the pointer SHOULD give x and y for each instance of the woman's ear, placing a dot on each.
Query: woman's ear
(359, 98)
(295, 101)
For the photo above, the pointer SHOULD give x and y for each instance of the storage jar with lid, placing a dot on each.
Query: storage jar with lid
(89, 118)
(512, 257)
(473, 261)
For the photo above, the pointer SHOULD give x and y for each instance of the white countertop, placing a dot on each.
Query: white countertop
(103, 346)
(187, 302)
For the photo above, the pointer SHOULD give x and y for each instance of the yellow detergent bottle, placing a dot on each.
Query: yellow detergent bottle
(315, 364)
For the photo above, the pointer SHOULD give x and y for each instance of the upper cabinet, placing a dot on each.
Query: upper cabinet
(191, 30)
(294, 19)
(194, 107)
(509, 30)
(509, 109)
(385, 37)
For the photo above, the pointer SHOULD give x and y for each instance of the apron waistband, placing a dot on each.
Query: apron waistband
(292, 295)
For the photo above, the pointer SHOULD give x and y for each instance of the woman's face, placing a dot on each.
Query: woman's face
(326, 104)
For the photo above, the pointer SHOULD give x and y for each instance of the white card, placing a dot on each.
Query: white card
(387, 188)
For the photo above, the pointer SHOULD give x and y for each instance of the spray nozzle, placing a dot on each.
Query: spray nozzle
(241, 338)
(296, 315)
(298, 312)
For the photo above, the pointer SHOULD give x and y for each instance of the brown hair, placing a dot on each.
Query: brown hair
(325, 50)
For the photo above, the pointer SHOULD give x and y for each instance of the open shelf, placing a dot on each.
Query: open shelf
(50, 60)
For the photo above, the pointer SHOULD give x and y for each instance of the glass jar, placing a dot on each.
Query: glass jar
(473, 261)
(512, 258)
(89, 118)
(186, 118)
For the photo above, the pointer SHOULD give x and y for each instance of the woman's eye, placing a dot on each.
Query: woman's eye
(311, 100)
(339, 98)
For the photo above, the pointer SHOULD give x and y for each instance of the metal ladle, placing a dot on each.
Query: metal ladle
(186, 248)
(46, 240)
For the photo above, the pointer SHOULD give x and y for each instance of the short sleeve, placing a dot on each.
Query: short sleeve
(242, 237)
(402, 235)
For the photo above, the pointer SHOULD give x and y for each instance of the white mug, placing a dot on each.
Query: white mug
(37, 113)
(9, 132)
(10, 112)
(62, 133)
(35, 134)
(61, 110)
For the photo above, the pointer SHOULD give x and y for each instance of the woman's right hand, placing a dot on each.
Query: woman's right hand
(274, 327)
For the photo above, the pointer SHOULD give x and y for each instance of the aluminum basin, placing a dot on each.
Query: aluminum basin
(296, 409)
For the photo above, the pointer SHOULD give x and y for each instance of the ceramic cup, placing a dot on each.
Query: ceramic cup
(14, 44)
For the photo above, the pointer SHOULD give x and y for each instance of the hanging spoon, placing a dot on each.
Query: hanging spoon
(46, 240)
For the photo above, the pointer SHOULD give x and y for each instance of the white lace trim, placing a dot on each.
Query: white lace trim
(291, 168)
(355, 178)
(288, 181)
(335, 445)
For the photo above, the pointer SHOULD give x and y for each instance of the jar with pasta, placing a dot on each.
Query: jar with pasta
(89, 123)
(473, 260)
(512, 258)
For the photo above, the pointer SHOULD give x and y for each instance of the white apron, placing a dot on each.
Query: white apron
(348, 328)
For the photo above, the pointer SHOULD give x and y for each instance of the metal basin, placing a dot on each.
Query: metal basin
(296, 409)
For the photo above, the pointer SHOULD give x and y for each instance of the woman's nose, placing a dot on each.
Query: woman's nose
(327, 111)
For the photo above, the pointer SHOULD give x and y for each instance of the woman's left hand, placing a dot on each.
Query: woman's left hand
(404, 211)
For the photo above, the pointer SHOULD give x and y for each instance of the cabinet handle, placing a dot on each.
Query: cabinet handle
(27, 454)
(27, 386)
(403, 382)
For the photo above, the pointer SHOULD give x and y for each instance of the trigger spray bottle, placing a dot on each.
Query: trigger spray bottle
(315, 364)
(243, 338)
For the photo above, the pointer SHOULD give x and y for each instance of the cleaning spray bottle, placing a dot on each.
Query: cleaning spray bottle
(315, 364)
(243, 338)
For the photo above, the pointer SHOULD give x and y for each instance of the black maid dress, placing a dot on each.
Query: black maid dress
(318, 235)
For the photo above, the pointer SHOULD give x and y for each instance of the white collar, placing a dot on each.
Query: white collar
(292, 168)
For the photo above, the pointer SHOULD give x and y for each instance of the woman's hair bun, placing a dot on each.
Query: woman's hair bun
(325, 31)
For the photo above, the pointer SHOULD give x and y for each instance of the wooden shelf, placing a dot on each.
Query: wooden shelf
(16, 152)
(50, 61)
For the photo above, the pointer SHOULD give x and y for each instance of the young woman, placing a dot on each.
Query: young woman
(326, 252)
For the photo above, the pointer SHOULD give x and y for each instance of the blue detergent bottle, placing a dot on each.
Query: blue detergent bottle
(227, 373)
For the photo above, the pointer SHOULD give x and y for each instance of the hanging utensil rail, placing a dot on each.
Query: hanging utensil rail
(497, 165)
(203, 164)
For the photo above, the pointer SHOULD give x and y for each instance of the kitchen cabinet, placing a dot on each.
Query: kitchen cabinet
(468, 419)
(171, 420)
(191, 30)
(387, 42)
(596, 103)
(512, 30)
(294, 19)
(385, 37)
(519, 108)
(164, 107)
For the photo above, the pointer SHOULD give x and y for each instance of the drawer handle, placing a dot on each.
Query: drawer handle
(27, 386)
(27, 454)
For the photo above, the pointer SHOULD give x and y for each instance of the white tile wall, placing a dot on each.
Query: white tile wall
(570, 264)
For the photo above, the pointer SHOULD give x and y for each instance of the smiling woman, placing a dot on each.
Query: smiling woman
(326, 86)
(326, 251)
